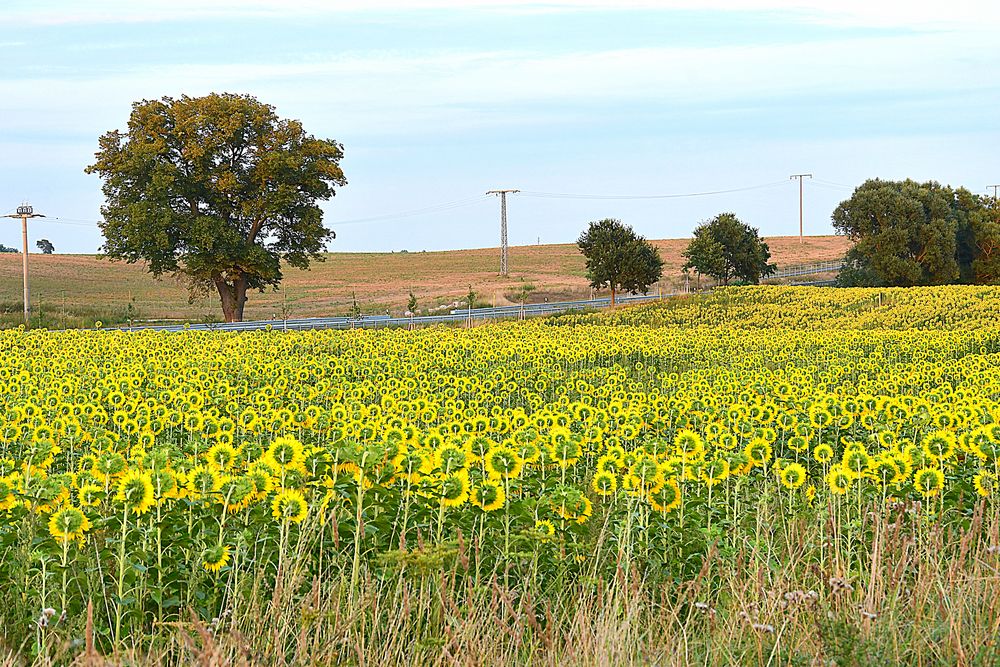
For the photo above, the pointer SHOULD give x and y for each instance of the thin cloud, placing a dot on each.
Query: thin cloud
(967, 13)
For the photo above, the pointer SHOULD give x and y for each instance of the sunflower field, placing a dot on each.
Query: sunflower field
(709, 487)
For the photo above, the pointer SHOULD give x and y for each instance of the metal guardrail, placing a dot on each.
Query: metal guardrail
(808, 269)
(382, 321)
(460, 315)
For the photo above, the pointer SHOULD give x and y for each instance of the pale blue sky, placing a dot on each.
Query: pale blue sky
(437, 101)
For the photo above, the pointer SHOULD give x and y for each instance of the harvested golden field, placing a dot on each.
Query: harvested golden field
(85, 286)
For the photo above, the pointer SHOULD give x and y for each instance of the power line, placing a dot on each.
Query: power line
(827, 186)
(563, 195)
(833, 183)
(74, 222)
(435, 208)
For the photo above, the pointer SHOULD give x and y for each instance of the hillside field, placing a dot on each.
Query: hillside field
(76, 289)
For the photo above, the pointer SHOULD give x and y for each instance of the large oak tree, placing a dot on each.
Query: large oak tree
(217, 190)
(909, 233)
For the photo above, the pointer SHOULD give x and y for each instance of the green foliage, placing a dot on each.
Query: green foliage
(908, 233)
(983, 242)
(470, 298)
(355, 307)
(727, 249)
(45, 246)
(521, 294)
(4, 248)
(618, 258)
(411, 305)
(217, 190)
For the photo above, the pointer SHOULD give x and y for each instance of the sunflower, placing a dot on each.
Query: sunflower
(666, 498)
(939, 445)
(503, 461)
(604, 483)
(135, 491)
(545, 528)
(221, 456)
(985, 483)
(68, 523)
(819, 416)
(575, 507)
(216, 558)
(7, 489)
(261, 475)
(647, 471)
(758, 451)
(564, 447)
(856, 459)
(90, 495)
(237, 493)
(689, 445)
(202, 482)
(714, 472)
(798, 443)
(164, 484)
(286, 452)
(792, 476)
(823, 453)
(109, 465)
(454, 489)
(928, 481)
(608, 463)
(450, 456)
(289, 505)
(488, 496)
(839, 480)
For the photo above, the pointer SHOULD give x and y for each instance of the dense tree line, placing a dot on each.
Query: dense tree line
(908, 233)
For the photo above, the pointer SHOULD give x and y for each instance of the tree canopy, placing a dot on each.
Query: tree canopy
(45, 246)
(217, 190)
(908, 233)
(618, 258)
(727, 249)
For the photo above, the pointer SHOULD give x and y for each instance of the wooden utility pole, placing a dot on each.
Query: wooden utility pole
(503, 226)
(995, 188)
(24, 211)
(800, 177)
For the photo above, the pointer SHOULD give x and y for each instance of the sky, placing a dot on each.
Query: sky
(621, 104)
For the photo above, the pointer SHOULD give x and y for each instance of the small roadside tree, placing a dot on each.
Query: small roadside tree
(618, 258)
(523, 291)
(216, 190)
(726, 248)
(45, 246)
(411, 305)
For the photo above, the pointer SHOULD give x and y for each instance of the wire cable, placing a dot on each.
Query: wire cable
(75, 222)
(829, 186)
(835, 184)
(563, 195)
(436, 208)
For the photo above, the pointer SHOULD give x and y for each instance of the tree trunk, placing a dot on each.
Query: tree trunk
(612, 296)
(233, 296)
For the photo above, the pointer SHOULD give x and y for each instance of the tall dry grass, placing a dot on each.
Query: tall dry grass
(896, 586)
